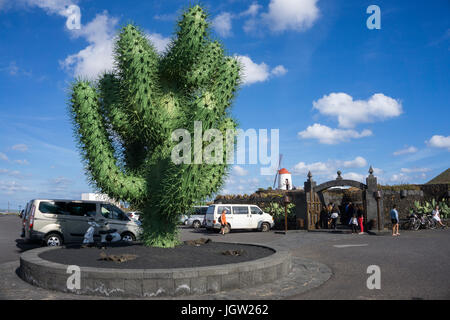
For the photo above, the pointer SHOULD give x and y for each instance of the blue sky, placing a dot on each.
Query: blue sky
(343, 96)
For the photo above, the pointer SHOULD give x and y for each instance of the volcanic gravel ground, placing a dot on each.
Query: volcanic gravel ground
(183, 256)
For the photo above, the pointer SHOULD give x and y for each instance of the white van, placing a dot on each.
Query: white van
(62, 221)
(239, 216)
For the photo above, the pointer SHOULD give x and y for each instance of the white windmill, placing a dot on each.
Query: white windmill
(284, 177)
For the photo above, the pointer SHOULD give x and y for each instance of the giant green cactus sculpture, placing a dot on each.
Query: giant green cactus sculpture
(124, 121)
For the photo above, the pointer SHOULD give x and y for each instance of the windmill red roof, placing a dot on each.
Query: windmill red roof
(283, 171)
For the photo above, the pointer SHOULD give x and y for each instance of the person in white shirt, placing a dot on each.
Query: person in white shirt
(436, 216)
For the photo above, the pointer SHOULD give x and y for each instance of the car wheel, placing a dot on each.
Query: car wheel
(196, 224)
(128, 237)
(265, 227)
(53, 240)
(227, 228)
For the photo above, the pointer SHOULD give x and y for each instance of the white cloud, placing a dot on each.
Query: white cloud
(222, 24)
(354, 176)
(97, 57)
(253, 72)
(239, 171)
(22, 162)
(437, 141)
(378, 171)
(358, 162)
(50, 6)
(3, 157)
(65, 8)
(159, 41)
(14, 173)
(406, 150)
(350, 112)
(279, 71)
(319, 168)
(327, 135)
(400, 178)
(252, 10)
(20, 147)
(411, 170)
(291, 15)
(327, 170)
(12, 187)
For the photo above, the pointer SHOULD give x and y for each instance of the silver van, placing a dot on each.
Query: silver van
(64, 221)
(239, 216)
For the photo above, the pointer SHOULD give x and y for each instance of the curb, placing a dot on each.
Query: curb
(155, 282)
(331, 231)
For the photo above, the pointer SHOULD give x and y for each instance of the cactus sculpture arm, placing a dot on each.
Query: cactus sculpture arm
(124, 122)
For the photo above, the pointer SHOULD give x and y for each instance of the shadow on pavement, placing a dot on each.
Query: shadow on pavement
(24, 245)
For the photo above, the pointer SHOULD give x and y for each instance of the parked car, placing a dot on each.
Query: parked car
(63, 221)
(197, 218)
(239, 216)
(184, 218)
(24, 218)
(134, 215)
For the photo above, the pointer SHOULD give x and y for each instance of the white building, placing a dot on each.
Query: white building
(284, 180)
(98, 197)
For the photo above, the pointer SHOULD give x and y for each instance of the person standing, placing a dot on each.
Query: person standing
(223, 221)
(394, 220)
(360, 214)
(436, 216)
(334, 216)
(324, 218)
(354, 221)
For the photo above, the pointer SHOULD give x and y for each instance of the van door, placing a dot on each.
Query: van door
(257, 216)
(116, 218)
(228, 214)
(241, 217)
(50, 216)
(77, 219)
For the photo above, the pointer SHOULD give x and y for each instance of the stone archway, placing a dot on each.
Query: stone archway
(372, 202)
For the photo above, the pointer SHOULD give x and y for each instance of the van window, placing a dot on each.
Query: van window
(221, 208)
(203, 210)
(210, 210)
(27, 210)
(52, 207)
(112, 212)
(256, 210)
(240, 210)
(81, 209)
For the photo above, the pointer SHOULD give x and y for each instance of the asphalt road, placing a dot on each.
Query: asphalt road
(413, 265)
(11, 245)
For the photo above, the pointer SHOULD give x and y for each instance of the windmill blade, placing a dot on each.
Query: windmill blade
(276, 174)
(275, 180)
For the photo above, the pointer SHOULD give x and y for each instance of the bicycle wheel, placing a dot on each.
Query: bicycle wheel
(432, 223)
(406, 225)
(416, 225)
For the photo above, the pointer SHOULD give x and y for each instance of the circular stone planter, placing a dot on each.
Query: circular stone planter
(152, 282)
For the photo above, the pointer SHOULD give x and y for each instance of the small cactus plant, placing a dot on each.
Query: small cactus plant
(125, 120)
